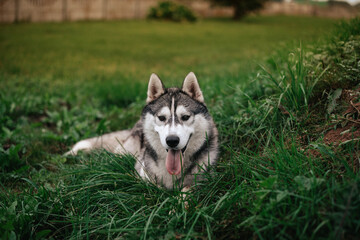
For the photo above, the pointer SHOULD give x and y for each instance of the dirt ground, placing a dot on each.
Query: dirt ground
(344, 132)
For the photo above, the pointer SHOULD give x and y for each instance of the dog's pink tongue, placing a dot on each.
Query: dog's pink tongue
(173, 163)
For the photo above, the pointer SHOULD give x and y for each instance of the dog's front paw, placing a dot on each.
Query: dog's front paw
(83, 145)
(184, 196)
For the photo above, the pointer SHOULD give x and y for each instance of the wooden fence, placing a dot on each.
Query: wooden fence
(74, 10)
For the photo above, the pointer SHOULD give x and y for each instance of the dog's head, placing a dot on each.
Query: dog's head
(172, 117)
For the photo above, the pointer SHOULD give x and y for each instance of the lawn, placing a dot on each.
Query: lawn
(269, 83)
(112, 51)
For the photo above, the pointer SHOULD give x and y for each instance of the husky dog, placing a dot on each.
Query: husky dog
(174, 140)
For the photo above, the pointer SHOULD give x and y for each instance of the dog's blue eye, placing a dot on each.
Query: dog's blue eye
(162, 118)
(185, 117)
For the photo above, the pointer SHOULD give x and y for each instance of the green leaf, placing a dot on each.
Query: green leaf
(281, 195)
(12, 207)
(308, 183)
(332, 100)
(31, 183)
(12, 236)
(42, 234)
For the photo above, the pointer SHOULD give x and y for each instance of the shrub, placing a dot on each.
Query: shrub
(172, 12)
(241, 7)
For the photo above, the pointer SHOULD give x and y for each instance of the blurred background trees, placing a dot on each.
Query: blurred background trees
(241, 7)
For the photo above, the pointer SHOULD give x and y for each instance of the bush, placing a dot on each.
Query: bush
(171, 11)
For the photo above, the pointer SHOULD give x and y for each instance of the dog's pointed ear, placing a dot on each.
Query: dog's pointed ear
(192, 88)
(155, 88)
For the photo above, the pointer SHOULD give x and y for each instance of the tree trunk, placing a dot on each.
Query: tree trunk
(239, 11)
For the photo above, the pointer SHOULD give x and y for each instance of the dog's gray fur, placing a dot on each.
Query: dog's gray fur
(174, 112)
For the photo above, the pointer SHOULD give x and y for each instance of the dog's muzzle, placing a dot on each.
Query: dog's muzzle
(172, 141)
(175, 157)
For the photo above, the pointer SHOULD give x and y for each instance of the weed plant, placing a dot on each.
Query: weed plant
(171, 11)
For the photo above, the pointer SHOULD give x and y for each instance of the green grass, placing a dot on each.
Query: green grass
(66, 52)
(67, 81)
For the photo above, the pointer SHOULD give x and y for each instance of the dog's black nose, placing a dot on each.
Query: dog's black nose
(172, 141)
